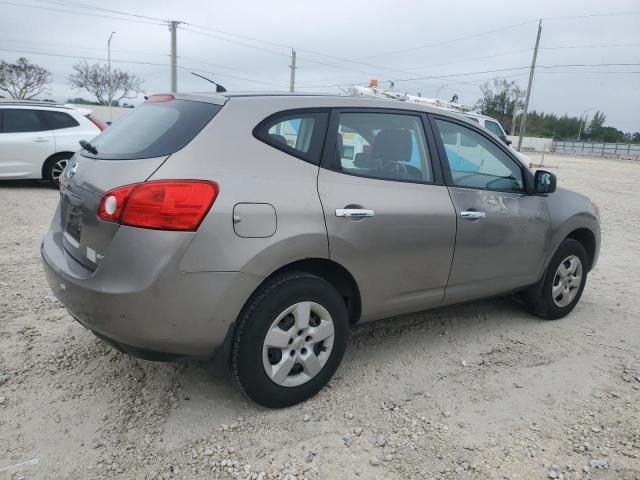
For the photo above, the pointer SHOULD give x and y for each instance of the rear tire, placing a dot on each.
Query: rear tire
(562, 284)
(54, 167)
(290, 339)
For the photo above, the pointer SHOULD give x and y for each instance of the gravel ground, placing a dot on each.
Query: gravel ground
(479, 391)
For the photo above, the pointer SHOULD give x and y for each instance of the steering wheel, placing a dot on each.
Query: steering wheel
(397, 168)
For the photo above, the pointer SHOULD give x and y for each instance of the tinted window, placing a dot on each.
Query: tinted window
(494, 128)
(477, 162)
(382, 145)
(21, 120)
(299, 134)
(154, 129)
(58, 120)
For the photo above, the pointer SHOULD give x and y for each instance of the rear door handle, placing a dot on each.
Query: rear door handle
(41, 140)
(472, 215)
(354, 212)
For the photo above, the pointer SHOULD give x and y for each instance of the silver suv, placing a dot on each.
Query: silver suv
(263, 227)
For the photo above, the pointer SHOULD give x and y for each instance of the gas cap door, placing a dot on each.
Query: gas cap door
(254, 220)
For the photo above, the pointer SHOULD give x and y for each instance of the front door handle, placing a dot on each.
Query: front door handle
(40, 140)
(354, 212)
(472, 215)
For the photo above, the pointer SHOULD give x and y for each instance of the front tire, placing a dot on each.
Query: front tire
(290, 339)
(562, 284)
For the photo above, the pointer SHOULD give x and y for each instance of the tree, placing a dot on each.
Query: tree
(23, 80)
(499, 97)
(108, 89)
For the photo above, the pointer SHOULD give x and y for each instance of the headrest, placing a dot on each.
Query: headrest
(278, 138)
(392, 144)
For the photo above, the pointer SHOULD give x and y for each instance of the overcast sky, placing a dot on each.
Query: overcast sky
(387, 40)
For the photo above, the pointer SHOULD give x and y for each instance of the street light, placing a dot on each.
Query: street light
(585, 120)
(109, 72)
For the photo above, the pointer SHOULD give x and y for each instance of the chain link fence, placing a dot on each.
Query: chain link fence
(629, 151)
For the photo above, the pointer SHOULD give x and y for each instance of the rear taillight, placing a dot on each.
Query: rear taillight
(161, 205)
(101, 125)
(159, 98)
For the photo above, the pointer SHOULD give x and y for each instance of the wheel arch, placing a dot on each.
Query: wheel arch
(588, 240)
(335, 274)
(55, 156)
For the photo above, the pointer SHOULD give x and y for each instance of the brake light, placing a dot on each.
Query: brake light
(98, 123)
(159, 98)
(160, 205)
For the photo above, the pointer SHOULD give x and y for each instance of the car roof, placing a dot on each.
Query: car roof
(286, 100)
(42, 105)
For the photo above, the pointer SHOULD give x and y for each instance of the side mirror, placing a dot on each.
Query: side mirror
(505, 140)
(545, 182)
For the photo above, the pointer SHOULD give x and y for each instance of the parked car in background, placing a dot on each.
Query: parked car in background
(235, 224)
(37, 139)
(494, 127)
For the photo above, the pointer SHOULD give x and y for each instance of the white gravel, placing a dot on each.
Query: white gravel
(479, 391)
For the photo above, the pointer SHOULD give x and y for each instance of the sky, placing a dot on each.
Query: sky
(433, 48)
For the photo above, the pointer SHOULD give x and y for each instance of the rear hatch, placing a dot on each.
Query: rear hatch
(128, 152)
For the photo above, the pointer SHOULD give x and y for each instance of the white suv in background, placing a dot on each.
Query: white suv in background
(37, 139)
(494, 127)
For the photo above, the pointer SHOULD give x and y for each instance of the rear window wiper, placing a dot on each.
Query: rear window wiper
(88, 147)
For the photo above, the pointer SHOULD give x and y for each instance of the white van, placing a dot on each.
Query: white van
(494, 127)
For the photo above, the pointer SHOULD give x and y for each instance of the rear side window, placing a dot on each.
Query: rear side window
(21, 120)
(154, 129)
(59, 120)
(300, 134)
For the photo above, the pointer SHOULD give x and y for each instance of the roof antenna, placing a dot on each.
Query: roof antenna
(219, 88)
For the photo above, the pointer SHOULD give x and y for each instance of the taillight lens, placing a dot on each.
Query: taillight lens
(98, 123)
(161, 205)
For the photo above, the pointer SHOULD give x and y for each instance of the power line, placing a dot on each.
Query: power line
(40, 7)
(101, 9)
(611, 45)
(592, 15)
(101, 49)
(138, 63)
(273, 52)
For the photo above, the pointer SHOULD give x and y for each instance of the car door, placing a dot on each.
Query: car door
(389, 218)
(502, 229)
(25, 143)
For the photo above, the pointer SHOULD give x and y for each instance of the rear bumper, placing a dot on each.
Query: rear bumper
(141, 301)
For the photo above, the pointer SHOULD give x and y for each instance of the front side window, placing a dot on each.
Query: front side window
(494, 128)
(21, 121)
(299, 134)
(477, 162)
(382, 145)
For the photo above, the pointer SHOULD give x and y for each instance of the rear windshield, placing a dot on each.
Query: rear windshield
(154, 129)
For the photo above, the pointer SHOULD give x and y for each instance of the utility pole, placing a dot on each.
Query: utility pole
(173, 27)
(292, 78)
(109, 74)
(523, 121)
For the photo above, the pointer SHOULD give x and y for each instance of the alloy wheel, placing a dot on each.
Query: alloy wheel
(57, 169)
